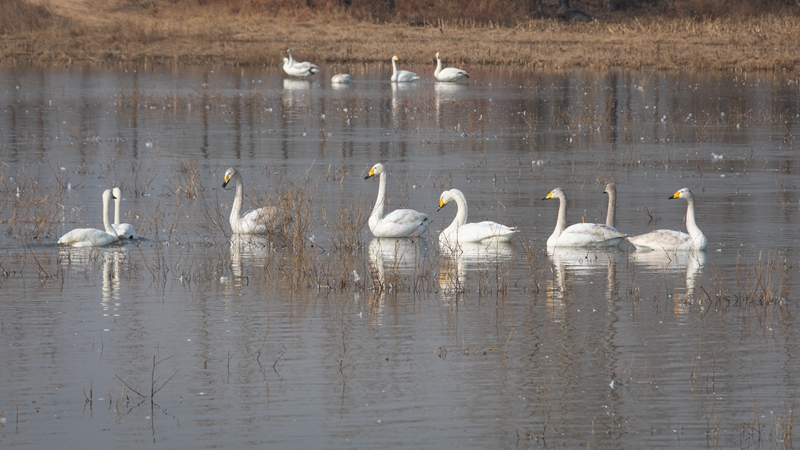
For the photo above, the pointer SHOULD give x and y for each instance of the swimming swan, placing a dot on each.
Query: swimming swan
(401, 76)
(298, 69)
(450, 74)
(671, 239)
(341, 78)
(91, 237)
(580, 234)
(400, 223)
(255, 221)
(124, 230)
(461, 232)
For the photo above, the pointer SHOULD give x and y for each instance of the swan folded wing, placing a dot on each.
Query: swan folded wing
(479, 232)
(590, 234)
(258, 221)
(662, 240)
(87, 237)
(451, 74)
(402, 223)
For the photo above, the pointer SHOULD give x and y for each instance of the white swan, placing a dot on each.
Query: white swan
(401, 76)
(91, 237)
(461, 232)
(580, 234)
(449, 74)
(341, 78)
(400, 223)
(671, 239)
(298, 69)
(255, 221)
(124, 230)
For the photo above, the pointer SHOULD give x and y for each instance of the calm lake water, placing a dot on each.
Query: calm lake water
(323, 337)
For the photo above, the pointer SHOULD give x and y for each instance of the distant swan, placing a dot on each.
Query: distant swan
(450, 74)
(91, 237)
(461, 232)
(298, 69)
(401, 76)
(124, 230)
(671, 239)
(400, 223)
(256, 221)
(341, 78)
(580, 234)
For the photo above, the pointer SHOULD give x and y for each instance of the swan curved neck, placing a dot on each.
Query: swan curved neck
(106, 219)
(438, 66)
(380, 205)
(237, 200)
(394, 72)
(461, 213)
(561, 223)
(117, 202)
(691, 224)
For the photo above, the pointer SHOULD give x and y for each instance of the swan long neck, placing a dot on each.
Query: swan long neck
(237, 200)
(561, 223)
(117, 202)
(106, 218)
(380, 205)
(394, 72)
(691, 225)
(461, 214)
(612, 207)
(438, 66)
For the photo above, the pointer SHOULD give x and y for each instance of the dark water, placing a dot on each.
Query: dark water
(329, 338)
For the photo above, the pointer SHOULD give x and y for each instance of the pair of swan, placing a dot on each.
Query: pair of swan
(606, 235)
(580, 234)
(449, 74)
(256, 221)
(91, 237)
(298, 69)
(409, 223)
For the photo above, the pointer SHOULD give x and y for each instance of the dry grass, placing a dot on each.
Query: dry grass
(678, 34)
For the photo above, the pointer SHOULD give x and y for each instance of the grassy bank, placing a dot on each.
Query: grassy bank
(221, 31)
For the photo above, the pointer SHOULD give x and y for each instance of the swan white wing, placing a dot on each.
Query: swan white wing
(302, 69)
(404, 76)
(256, 221)
(478, 232)
(87, 237)
(668, 240)
(589, 235)
(342, 78)
(125, 231)
(401, 223)
(451, 74)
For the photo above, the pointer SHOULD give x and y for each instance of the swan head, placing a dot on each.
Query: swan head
(683, 193)
(116, 193)
(444, 199)
(230, 174)
(108, 194)
(611, 188)
(395, 58)
(437, 55)
(377, 169)
(557, 193)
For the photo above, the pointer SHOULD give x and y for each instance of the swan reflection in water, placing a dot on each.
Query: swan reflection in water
(581, 265)
(473, 258)
(295, 92)
(690, 263)
(247, 250)
(395, 265)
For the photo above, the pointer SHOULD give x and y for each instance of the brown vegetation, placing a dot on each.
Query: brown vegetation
(705, 34)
